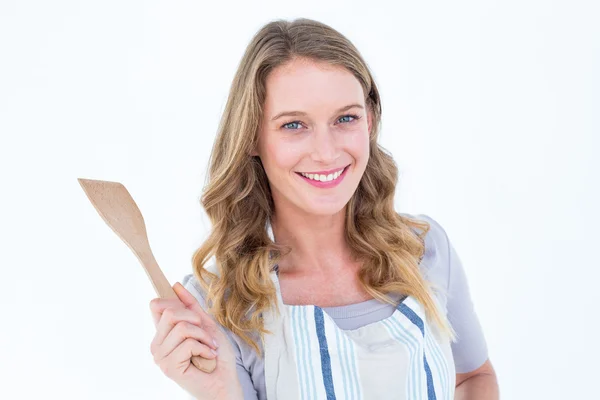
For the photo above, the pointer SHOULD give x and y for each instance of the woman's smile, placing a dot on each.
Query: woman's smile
(324, 179)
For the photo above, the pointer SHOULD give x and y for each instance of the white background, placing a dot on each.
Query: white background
(490, 109)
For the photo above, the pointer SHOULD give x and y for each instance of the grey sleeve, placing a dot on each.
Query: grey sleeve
(470, 349)
(190, 283)
(244, 377)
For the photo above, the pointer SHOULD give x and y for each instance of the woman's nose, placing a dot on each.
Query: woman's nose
(325, 146)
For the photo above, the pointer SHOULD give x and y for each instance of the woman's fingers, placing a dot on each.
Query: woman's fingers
(170, 317)
(178, 360)
(182, 331)
(158, 306)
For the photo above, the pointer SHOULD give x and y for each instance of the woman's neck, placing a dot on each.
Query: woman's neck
(318, 243)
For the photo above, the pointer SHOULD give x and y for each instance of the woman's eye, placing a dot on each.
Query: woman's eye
(354, 117)
(285, 126)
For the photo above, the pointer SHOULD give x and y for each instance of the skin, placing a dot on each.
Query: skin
(319, 270)
(481, 383)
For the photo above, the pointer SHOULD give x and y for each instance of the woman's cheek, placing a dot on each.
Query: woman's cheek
(357, 139)
(283, 159)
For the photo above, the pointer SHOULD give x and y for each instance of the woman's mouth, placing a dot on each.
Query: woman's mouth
(325, 180)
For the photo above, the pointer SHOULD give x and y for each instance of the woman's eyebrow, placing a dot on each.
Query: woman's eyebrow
(298, 113)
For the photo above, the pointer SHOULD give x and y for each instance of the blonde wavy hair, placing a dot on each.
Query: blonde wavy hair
(237, 196)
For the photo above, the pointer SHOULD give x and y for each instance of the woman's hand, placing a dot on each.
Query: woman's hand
(183, 330)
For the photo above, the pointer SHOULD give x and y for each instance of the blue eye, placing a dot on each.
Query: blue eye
(290, 123)
(354, 117)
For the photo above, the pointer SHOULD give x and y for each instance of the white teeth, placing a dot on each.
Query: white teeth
(323, 178)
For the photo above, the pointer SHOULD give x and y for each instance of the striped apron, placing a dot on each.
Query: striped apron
(401, 357)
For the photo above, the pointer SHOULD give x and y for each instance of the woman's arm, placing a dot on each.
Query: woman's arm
(479, 384)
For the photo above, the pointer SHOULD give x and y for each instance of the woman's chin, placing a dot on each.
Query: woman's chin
(324, 208)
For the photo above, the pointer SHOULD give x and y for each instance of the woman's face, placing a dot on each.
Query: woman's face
(315, 123)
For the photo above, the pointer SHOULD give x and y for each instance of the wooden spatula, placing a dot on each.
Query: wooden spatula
(117, 208)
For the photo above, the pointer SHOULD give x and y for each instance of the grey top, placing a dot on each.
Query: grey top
(440, 265)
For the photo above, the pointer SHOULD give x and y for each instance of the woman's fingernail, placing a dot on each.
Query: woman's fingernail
(214, 352)
(215, 343)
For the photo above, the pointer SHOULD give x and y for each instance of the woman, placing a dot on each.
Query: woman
(315, 286)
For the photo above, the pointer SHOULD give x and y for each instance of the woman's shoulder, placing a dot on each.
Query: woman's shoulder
(436, 235)
(436, 239)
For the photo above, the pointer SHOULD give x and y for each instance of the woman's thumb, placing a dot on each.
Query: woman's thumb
(186, 297)
(191, 302)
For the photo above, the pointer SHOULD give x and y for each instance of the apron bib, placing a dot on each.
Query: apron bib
(307, 357)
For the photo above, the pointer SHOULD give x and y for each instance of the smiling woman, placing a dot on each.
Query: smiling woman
(324, 140)
(322, 288)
